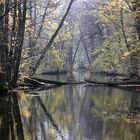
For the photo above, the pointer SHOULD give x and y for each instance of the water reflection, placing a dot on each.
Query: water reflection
(50, 118)
(10, 118)
(81, 113)
(71, 113)
(135, 105)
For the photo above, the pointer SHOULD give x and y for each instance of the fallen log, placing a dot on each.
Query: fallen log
(33, 89)
(110, 74)
(101, 83)
(50, 81)
(54, 72)
(56, 82)
(115, 83)
(33, 82)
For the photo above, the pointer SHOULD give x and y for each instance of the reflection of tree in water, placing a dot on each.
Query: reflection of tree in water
(10, 119)
(49, 116)
(4, 117)
(135, 105)
(91, 123)
(31, 122)
(96, 126)
(76, 113)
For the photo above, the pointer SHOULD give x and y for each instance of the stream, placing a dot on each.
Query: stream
(71, 112)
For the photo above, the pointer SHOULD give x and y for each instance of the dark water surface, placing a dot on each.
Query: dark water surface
(72, 113)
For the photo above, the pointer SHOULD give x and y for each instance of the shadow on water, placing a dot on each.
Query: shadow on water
(10, 118)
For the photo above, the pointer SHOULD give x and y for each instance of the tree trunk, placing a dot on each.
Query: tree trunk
(3, 48)
(20, 39)
(12, 41)
(85, 47)
(3, 66)
(134, 63)
(134, 58)
(76, 50)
